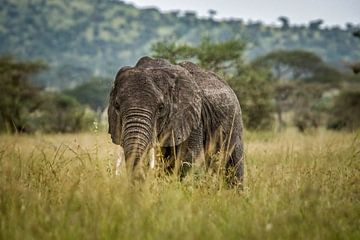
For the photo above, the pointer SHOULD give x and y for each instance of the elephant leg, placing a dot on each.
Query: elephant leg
(235, 165)
(191, 152)
(181, 158)
(168, 156)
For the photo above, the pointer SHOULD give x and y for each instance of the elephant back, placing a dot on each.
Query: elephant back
(222, 105)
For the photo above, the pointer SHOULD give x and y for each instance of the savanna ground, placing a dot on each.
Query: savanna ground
(296, 187)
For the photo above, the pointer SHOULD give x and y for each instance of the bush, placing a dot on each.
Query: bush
(61, 113)
(345, 113)
(306, 119)
(94, 93)
(310, 106)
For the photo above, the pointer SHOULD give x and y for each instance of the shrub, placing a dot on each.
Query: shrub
(61, 113)
(345, 113)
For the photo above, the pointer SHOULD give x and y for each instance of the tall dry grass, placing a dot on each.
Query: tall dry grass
(296, 187)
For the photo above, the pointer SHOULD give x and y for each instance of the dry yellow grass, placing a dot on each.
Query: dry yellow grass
(296, 187)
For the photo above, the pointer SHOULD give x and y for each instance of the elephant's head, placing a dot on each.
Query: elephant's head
(154, 99)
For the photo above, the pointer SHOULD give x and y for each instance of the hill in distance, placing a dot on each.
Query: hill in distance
(79, 39)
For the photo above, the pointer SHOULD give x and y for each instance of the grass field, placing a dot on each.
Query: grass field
(296, 187)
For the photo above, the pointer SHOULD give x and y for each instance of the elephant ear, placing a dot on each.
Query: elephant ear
(114, 119)
(185, 115)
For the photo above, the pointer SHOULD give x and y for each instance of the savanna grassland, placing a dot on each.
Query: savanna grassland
(296, 187)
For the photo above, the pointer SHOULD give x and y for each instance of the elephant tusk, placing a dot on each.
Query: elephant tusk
(152, 158)
(119, 160)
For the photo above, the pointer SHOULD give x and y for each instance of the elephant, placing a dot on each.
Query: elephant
(191, 112)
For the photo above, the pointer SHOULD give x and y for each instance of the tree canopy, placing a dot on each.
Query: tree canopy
(18, 96)
(298, 65)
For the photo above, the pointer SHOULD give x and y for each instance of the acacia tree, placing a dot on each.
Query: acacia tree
(290, 69)
(216, 56)
(18, 96)
(171, 51)
(221, 57)
(285, 22)
(298, 65)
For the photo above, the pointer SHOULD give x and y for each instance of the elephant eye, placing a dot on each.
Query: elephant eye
(161, 108)
(117, 106)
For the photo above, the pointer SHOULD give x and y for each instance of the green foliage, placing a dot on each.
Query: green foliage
(94, 93)
(61, 114)
(212, 55)
(171, 51)
(298, 65)
(18, 96)
(310, 106)
(254, 92)
(99, 36)
(220, 56)
(345, 114)
(300, 79)
(25, 107)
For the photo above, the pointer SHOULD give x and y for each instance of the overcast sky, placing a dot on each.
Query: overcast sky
(333, 12)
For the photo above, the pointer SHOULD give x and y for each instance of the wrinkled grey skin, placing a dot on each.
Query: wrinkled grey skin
(183, 107)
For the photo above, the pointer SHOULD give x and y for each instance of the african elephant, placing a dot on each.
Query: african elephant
(189, 111)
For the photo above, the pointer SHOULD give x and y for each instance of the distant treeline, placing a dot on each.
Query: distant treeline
(282, 88)
(79, 39)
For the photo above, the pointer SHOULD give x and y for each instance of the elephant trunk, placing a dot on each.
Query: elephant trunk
(137, 136)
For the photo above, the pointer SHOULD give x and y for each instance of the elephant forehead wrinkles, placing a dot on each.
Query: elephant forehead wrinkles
(140, 87)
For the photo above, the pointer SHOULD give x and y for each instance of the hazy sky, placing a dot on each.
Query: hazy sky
(333, 12)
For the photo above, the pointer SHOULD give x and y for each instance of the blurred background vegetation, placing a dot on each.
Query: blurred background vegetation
(58, 59)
